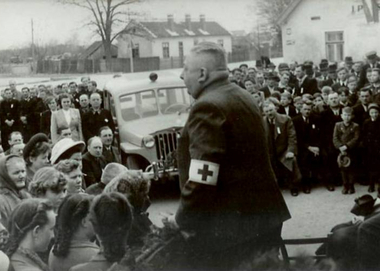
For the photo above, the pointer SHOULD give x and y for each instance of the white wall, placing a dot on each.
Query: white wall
(188, 43)
(145, 46)
(304, 39)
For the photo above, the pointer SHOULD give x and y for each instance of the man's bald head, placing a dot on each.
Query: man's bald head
(205, 64)
(211, 56)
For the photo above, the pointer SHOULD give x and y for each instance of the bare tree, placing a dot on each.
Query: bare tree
(270, 10)
(106, 14)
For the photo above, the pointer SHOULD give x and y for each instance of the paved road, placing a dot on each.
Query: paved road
(313, 215)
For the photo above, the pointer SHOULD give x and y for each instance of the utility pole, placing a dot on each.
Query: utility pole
(32, 44)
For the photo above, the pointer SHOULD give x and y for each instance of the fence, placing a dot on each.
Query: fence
(97, 65)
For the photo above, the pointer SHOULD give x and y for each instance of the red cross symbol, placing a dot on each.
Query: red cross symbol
(205, 172)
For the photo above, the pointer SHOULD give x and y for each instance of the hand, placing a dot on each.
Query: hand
(9, 122)
(289, 155)
(169, 221)
(23, 119)
(314, 150)
(343, 149)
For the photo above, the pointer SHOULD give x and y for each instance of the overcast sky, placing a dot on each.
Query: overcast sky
(54, 21)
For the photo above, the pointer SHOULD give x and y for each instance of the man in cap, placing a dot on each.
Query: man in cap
(371, 64)
(285, 67)
(271, 85)
(221, 177)
(331, 75)
(348, 64)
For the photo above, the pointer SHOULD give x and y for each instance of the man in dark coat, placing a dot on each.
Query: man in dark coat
(26, 114)
(308, 145)
(93, 161)
(329, 117)
(361, 109)
(372, 63)
(110, 152)
(96, 118)
(9, 117)
(229, 197)
(282, 147)
(305, 84)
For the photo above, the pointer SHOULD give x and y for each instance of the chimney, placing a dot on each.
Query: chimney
(170, 22)
(202, 19)
(188, 22)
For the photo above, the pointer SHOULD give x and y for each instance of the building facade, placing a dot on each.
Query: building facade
(331, 29)
(169, 39)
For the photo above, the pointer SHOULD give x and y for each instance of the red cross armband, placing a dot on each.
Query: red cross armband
(204, 172)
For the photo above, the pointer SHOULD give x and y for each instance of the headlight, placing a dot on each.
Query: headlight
(148, 142)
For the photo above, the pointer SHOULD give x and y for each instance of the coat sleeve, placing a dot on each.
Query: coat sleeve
(355, 139)
(54, 128)
(336, 137)
(89, 176)
(207, 143)
(79, 125)
(292, 137)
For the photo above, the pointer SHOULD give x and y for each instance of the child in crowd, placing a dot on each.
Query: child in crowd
(345, 138)
(371, 145)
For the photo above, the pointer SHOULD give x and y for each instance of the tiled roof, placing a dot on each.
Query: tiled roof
(162, 29)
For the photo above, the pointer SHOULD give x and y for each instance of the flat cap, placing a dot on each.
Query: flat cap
(371, 55)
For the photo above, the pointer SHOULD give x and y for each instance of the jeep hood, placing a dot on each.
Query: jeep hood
(134, 131)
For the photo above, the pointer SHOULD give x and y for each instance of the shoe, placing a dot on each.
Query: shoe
(344, 190)
(330, 187)
(351, 190)
(294, 192)
(371, 188)
(306, 190)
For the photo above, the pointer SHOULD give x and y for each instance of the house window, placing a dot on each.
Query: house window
(165, 50)
(221, 43)
(334, 45)
(136, 50)
(180, 48)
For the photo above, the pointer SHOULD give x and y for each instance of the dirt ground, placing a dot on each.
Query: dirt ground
(313, 215)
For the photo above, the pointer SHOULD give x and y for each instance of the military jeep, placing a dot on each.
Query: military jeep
(149, 110)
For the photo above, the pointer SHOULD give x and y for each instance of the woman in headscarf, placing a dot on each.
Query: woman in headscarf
(12, 185)
(31, 228)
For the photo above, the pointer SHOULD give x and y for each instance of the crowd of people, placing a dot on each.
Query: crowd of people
(68, 203)
(322, 120)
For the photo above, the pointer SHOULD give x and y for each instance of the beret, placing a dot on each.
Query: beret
(283, 66)
(374, 106)
(37, 138)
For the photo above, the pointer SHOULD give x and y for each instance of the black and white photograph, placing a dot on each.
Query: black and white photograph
(186, 135)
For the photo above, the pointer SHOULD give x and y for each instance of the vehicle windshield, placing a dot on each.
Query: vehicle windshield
(138, 105)
(174, 100)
